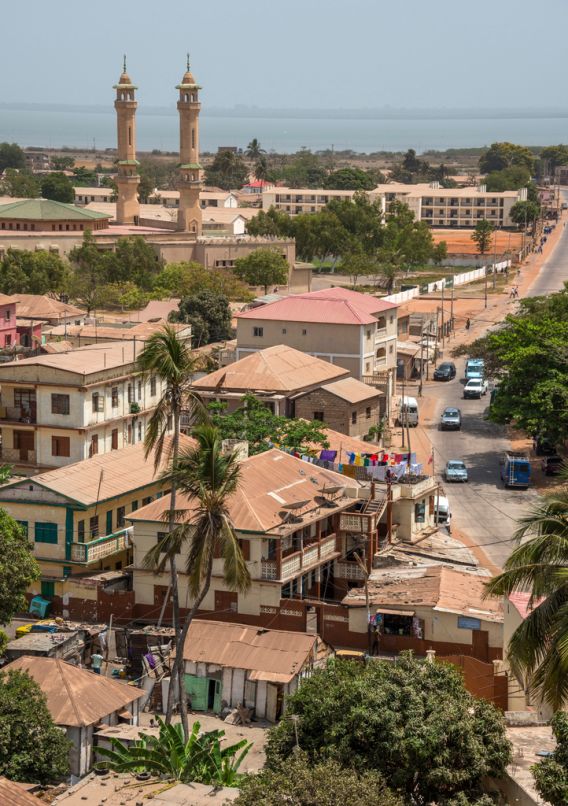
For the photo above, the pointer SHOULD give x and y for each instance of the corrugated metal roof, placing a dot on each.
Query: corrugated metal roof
(352, 390)
(275, 369)
(47, 210)
(274, 655)
(269, 481)
(338, 306)
(75, 697)
(83, 361)
(13, 794)
(41, 306)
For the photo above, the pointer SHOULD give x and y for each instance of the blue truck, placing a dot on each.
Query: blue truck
(516, 470)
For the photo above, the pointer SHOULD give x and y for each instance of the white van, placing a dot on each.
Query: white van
(444, 514)
(408, 411)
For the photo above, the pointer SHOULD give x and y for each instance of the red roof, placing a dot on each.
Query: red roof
(521, 603)
(338, 306)
(258, 183)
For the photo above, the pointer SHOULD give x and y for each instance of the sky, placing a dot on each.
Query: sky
(294, 54)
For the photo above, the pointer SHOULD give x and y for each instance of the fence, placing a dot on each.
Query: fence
(447, 282)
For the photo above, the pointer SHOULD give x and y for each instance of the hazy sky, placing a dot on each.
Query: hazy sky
(297, 53)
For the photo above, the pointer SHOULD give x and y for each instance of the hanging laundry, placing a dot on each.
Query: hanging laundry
(328, 456)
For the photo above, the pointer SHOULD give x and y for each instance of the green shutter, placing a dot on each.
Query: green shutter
(109, 522)
(198, 690)
(45, 532)
(48, 589)
(69, 524)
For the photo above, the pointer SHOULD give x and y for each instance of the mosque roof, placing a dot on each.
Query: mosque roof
(47, 210)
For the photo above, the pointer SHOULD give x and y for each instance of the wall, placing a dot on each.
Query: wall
(337, 413)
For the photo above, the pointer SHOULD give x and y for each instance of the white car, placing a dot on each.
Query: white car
(476, 387)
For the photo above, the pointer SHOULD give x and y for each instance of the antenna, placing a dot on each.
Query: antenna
(187, 63)
(124, 63)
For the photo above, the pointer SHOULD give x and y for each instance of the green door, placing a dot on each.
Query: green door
(217, 700)
(198, 689)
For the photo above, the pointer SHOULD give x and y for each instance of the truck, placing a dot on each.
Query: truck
(407, 412)
(516, 470)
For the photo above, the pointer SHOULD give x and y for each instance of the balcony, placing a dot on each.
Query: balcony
(348, 569)
(18, 414)
(358, 522)
(299, 561)
(102, 547)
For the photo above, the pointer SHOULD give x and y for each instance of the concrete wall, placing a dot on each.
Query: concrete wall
(338, 413)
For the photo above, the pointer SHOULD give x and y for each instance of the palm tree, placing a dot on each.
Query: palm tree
(207, 477)
(261, 169)
(538, 650)
(168, 357)
(254, 150)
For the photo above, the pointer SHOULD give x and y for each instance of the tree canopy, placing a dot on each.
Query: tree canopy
(18, 567)
(413, 722)
(555, 155)
(209, 314)
(188, 277)
(263, 267)
(32, 748)
(11, 156)
(41, 272)
(350, 179)
(20, 184)
(58, 187)
(528, 356)
(551, 774)
(254, 422)
(227, 171)
(525, 212)
(482, 235)
(297, 783)
(505, 155)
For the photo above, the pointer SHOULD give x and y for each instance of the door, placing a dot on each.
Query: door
(480, 644)
(214, 702)
(24, 442)
(197, 689)
(271, 702)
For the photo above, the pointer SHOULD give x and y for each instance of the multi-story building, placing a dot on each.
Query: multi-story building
(438, 206)
(76, 516)
(8, 328)
(355, 331)
(60, 409)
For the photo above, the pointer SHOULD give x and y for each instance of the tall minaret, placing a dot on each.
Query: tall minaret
(128, 206)
(189, 182)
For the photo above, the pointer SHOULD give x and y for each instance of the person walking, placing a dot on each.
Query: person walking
(467, 323)
(96, 662)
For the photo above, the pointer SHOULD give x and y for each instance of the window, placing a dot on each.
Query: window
(8, 340)
(130, 392)
(139, 431)
(60, 404)
(134, 506)
(368, 334)
(258, 332)
(114, 439)
(368, 412)
(7, 314)
(94, 526)
(120, 517)
(94, 448)
(139, 390)
(284, 331)
(98, 401)
(153, 386)
(81, 531)
(318, 415)
(109, 522)
(114, 397)
(162, 536)
(391, 348)
(60, 446)
(146, 500)
(353, 418)
(420, 512)
(47, 589)
(45, 532)
(304, 332)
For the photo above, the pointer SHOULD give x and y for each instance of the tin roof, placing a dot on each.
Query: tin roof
(14, 794)
(273, 655)
(275, 369)
(48, 210)
(75, 697)
(352, 390)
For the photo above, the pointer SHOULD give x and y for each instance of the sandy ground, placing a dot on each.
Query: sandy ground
(459, 241)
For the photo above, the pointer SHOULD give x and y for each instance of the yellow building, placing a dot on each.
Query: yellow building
(189, 184)
(127, 180)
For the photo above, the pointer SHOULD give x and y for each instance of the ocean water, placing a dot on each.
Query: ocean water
(88, 129)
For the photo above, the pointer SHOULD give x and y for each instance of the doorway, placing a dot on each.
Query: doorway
(24, 442)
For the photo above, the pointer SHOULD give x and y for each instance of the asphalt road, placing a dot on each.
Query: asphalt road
(481, 508)
(554, 272)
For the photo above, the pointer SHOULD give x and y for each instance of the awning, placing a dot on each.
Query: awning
(389, 611)
(125, 714)
(271, 677)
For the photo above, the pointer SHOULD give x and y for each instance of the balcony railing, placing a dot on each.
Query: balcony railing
(348, 569)
(17, 414)
(100, 548)
(358, 522)
(300, 560)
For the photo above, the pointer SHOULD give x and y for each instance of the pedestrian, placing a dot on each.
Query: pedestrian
(96, 662)
(467, 323)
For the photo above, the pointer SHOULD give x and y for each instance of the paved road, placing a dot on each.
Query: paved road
(554, 272)
(483, 509)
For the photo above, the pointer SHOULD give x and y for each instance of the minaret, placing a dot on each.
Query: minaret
(189, 182)
(128, 206)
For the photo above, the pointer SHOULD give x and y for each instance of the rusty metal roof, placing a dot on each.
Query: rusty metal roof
(273, 655)
(352, 391)
(13, 794)
(75, 697)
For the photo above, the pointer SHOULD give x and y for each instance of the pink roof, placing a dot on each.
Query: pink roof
(338, 306)
(521, 603)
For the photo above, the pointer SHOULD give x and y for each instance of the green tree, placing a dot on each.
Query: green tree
(264, 267)
(356, 264)
(212, 308)
(525, 212)
(254, 150)
(482, 235)
(440, 253)
(58, 187)
(298, 783)
(555, 156)
(254, 422)
(165, 356)
(350, 179)
(528, 357)
(89, 273)
(32, 748)
(413, 722)
(145, 189)
(208, 476)
(133, 260)
(227, 171)
(551, 774)
(513, 178)
(82, 177)
(11, 156)
(406, 244)
(188, 278)
(538, 648)
(504, 155)
(202, 758)
(20, 184)
(38, 272)
(62, 163)
(304, 169)
(18, 568)
(261, 169)
(271, 222)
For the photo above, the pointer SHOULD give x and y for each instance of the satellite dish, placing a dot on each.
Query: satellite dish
(331, 490)
(296, 505)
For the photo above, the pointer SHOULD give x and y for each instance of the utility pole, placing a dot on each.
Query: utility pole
(421, 364)
(485, 292)
(494, 259)
(443, 337)
(389, 507)
(365, 573)
(402, 410)
(452, 309)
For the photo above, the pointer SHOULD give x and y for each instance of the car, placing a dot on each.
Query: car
(475, 387)
(451, 419)
(455, 470)
(445, 372)
(552, 465)
(474, 368)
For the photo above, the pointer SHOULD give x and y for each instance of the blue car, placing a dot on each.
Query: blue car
(455, 470)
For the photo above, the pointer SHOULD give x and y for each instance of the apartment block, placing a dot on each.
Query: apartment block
(59, 409)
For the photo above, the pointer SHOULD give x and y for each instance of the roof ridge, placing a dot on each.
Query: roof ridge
(68, 689)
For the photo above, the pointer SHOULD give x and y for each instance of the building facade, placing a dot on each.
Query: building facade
(189, 171)
(59, 409)
(127, 180)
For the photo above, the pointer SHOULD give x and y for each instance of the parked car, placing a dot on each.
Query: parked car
(543, 446)
(455, 470)
(515, 469)
(451, 420)
(552, 465)
(476, 387)
(445, 372)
